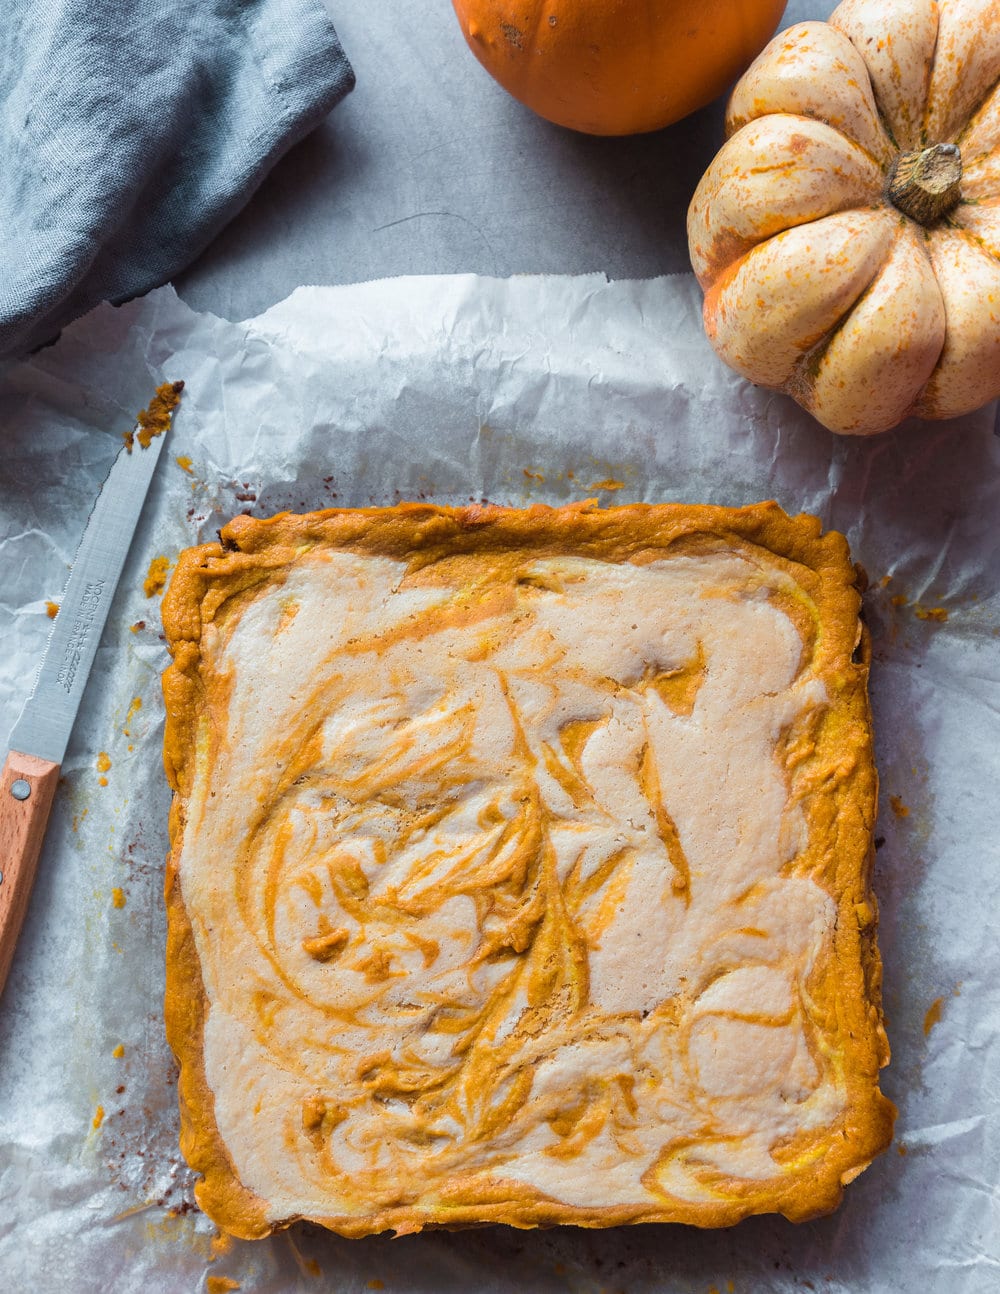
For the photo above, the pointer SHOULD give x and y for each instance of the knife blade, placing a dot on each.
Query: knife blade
(40, 736)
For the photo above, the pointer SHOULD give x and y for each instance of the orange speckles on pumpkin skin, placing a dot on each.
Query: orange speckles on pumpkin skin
(958, 389)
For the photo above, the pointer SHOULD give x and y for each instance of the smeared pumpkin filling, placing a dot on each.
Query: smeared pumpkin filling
(516, 867)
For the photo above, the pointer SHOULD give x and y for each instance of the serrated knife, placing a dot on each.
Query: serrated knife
(40, 736)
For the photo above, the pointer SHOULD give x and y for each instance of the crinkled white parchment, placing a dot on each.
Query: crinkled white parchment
(520, 390)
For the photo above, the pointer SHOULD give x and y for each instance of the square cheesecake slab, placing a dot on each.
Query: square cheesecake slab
(520, 868)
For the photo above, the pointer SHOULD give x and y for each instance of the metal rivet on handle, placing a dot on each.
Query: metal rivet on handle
(20, 789)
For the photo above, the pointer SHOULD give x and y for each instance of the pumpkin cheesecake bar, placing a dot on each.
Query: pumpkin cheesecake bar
(520, 868)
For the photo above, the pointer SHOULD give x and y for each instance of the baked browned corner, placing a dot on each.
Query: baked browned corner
(520, 868)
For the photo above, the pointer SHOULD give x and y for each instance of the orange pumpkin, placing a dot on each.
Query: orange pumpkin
(616, 67)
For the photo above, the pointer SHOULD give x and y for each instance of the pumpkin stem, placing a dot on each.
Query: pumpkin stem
(926, 183)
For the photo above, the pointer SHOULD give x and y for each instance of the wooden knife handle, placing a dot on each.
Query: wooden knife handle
(27, 789)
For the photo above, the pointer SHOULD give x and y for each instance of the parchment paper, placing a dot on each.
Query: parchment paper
(451, 389)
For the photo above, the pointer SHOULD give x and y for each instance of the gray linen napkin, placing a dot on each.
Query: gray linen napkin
(131, 131)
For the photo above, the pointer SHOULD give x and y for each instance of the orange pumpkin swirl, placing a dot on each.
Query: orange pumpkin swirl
(519, 868)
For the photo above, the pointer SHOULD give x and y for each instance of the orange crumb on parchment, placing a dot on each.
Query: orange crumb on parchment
(901, 1149)
(609, 484)
(184, 463)
(103, 761)
(900, 809)
(156, 576)
(221, 1244)
(938, 615)
(51, 608)
(312, 1266)
(155, 420)
(221, 1284)
(139, 624)
(534, 476)
(119, 1051)
(98, 1118)
(933, 1015)
(118, 897)
(133, 710)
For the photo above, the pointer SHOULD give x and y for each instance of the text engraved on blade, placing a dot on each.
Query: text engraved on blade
(89, 604)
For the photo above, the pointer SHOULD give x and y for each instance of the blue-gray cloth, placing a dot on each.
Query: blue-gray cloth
(131, 131)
